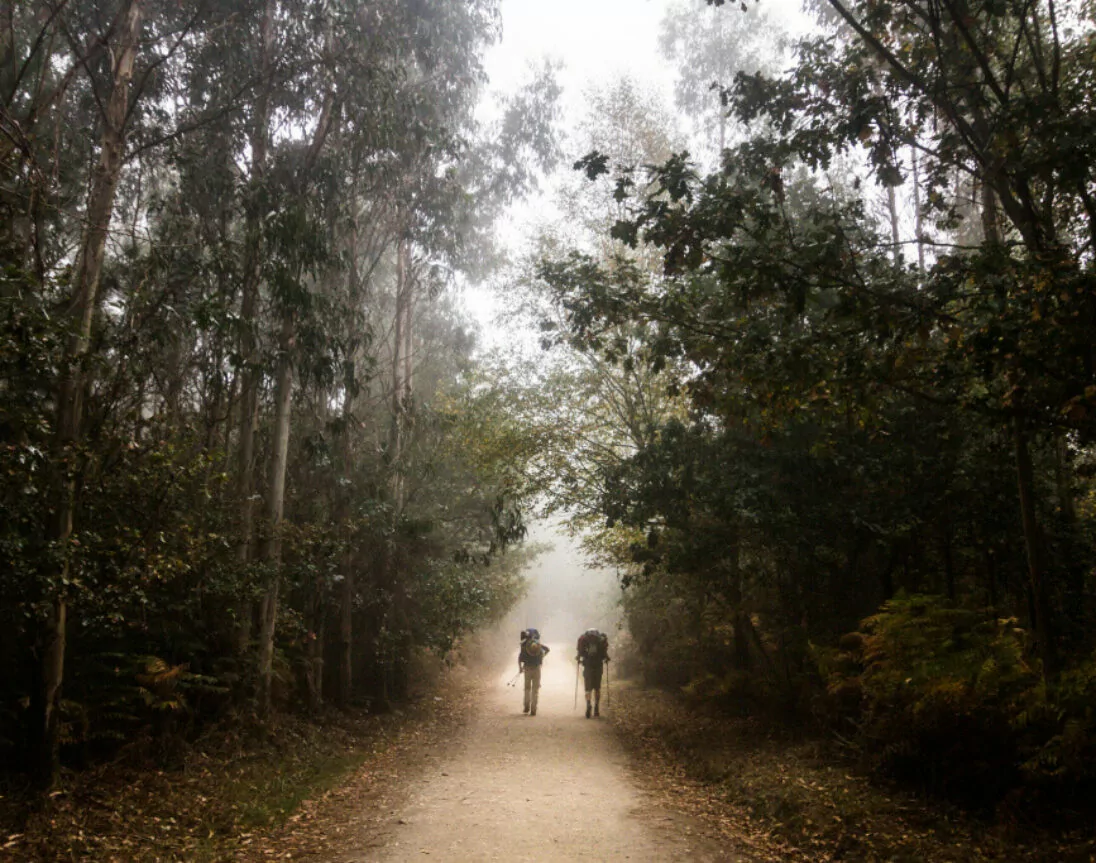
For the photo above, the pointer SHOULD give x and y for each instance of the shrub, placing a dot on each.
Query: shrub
(935, 691)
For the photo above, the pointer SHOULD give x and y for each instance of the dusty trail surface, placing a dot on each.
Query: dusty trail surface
(555, 787)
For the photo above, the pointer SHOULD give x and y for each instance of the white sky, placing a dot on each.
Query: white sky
(597, 40)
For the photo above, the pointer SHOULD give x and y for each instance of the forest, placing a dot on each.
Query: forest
(813, 368)
(247, 456)
(850, 368)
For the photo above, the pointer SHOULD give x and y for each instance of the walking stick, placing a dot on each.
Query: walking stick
(608, 689)
(573, 709)
(514, 679)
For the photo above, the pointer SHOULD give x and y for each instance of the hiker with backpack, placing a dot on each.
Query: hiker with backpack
(530, 657)
(593, 653)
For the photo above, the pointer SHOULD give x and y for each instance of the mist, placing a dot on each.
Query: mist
(566, 595)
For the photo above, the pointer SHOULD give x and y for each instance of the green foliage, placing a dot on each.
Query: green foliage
(856, 427)
(1059, 727)
(941, 653)
(945, 696)
(228, 423)
(120, 697)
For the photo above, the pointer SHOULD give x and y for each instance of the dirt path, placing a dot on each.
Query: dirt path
(546, 788)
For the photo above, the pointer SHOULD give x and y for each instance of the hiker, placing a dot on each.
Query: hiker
(530, 656)
(593, 653)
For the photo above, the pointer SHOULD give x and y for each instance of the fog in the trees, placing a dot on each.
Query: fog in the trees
(566, 593)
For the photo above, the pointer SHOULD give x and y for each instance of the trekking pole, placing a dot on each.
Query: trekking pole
(576, 687)
(514, 679)
(608, 689)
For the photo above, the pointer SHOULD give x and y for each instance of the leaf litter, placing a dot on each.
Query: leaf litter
(778, 794)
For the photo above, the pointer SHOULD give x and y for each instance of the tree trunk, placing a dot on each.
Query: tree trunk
(991, 576)
(1063, 479)
(400, 383)
(949, 563)
(346, 633)
(346, 598)
(892, 210)
(67, 432)
(313, 660)
(991, 226)
(740, 618)
(1033, 540)
(249, 304)
(275, 507)
(918, 220)
(345, 681)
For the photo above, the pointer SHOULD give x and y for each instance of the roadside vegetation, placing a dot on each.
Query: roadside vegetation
(251, 464)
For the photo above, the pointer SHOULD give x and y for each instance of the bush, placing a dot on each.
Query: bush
(934, 692)
(947, 698)
(1059, 733)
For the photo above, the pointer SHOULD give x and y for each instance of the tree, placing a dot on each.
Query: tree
(849, 418)
(709, 47)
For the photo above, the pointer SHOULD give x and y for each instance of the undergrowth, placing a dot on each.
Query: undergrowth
(227, 788)
(783, 794)
(947, 699)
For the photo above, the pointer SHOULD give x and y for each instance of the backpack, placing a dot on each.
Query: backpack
(531, 652)
(593, 645)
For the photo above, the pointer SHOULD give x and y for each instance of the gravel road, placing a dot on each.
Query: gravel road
(555, 787)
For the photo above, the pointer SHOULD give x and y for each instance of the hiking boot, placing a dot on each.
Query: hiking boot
(533, 712)
(587, 709)
(525, 710)
(596, 712)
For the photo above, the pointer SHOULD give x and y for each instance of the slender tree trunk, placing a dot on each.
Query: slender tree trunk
(399, 382)
(346, 632)
(249, 305)
(991, 575)
(408, 338)
(741, 618)
(345, 682)
(313, 659)
(892, 210)
(949, 563)
(68, 429)
(918, 220)
(275, 508)
(400, 405)
(1033, 539)
(1039, 596)
(1063, 479)
(991, 226)
(346, 598)
(886, 575)
(1075, 574)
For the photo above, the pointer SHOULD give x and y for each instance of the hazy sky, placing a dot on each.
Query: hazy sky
(566, 596)
(597, 40)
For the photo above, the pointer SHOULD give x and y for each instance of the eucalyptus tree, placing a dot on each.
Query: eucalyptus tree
(70, 67)
(709, 48)
(262, 169)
